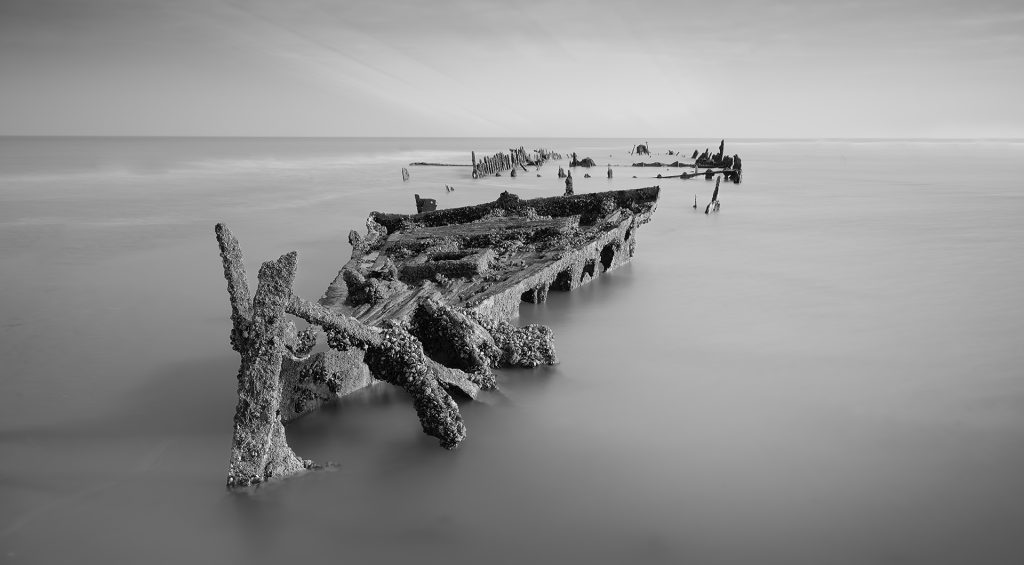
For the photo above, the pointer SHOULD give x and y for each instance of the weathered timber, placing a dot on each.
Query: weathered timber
(259, 449)
(730, 167)
(424, 164)
(264, 337)
(425, 204)
(426, 303)
(660, 164)
(585, 162)
(714, 205)
(485, 257)
(642, 149)
(515, 158)
(680, 176)
(718, 160)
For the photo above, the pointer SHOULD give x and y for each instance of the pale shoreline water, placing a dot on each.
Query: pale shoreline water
(827, 371)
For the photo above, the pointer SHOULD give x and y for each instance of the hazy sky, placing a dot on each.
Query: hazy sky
(805, 68)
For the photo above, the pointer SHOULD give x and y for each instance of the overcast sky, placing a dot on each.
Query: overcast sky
(804, 68)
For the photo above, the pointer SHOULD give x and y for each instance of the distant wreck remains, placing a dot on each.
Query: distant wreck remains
(515, 158)
(426, 303)
(730, 167)
(642, 149)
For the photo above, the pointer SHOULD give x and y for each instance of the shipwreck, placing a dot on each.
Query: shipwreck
(427, 303)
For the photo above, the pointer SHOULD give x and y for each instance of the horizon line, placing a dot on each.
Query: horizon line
(389, 137)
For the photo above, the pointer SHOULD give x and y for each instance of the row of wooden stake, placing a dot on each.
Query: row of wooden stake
(516, 157)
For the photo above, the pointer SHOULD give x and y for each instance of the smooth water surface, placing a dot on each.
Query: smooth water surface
(829, 370)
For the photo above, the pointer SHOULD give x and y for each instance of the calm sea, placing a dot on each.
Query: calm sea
(830, 370)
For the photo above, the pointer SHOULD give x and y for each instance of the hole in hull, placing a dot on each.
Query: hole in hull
(588, 269)
(607, 255)
(563, 281)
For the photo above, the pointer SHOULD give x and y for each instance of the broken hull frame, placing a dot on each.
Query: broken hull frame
(280, 378)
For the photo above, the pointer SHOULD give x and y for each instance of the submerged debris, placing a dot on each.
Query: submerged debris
(729, 167)
(586, 162)
(714, 205)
